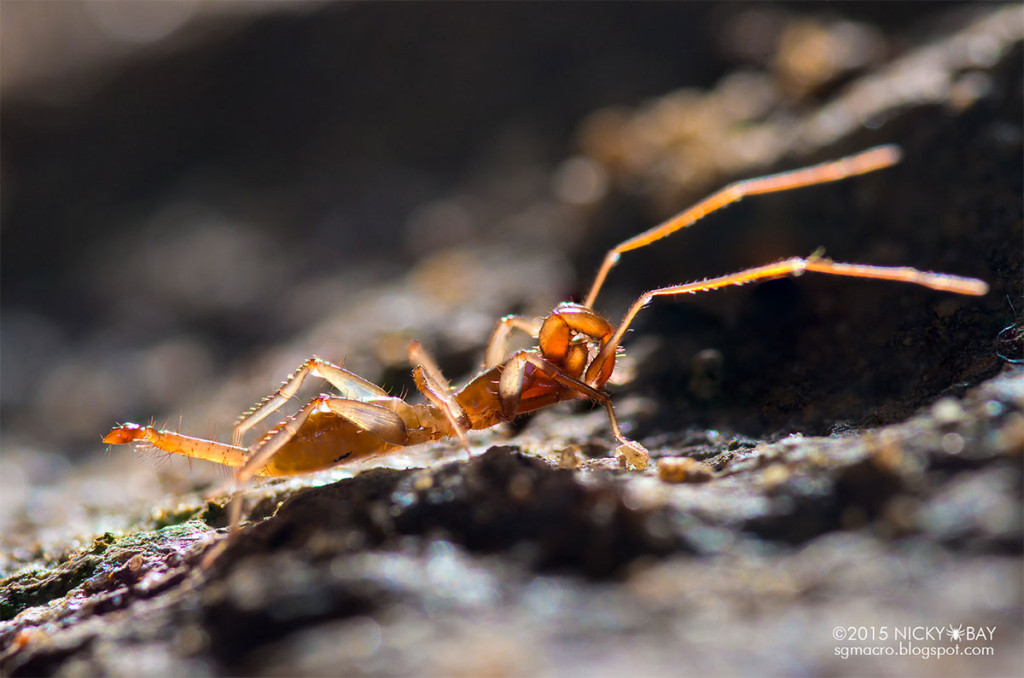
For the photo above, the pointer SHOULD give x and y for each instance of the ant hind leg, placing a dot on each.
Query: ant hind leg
(348, 385)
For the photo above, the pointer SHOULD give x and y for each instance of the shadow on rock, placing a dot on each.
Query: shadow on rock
(500, 501)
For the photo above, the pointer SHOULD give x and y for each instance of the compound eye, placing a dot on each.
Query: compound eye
(555, 336)
(576, 360)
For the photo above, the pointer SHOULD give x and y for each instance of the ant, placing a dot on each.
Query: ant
(575, 355)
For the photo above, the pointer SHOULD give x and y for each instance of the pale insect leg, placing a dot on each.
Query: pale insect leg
(432, 384)
(374, 419)
(510, 392)
(348, 385)
(497, 345)
(860, 163)
(793, 267)
(177, 443)
(261, 452)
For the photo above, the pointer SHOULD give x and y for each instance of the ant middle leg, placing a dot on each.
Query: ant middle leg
(430, 381)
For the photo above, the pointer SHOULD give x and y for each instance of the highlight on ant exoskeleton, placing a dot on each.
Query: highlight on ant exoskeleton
(574, 358)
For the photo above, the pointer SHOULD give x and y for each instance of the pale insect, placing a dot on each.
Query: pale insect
(574, 358)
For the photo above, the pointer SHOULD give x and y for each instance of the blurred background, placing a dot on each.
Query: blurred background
(196, 196)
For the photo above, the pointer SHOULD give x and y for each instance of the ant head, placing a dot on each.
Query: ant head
(567, 337)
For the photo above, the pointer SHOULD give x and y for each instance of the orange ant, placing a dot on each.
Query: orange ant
(574, 359)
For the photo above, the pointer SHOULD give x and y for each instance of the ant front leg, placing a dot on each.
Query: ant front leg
(510, 391)
(497, 346)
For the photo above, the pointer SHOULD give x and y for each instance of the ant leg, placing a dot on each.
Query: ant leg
(792, 267)
(374, 419)
(262, 451)
(348, 385)
(497, 346)
(432, 384)
(860, 163)
(510, 391)
(169, 441)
